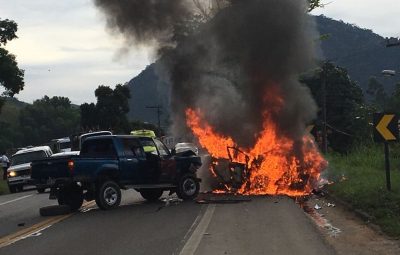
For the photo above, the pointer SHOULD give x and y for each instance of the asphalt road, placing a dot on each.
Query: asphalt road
(264, 225)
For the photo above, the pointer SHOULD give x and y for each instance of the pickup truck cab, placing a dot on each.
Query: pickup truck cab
(19, 172)
(107, 164)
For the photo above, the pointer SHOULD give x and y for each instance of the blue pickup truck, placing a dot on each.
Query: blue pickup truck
(107, 164)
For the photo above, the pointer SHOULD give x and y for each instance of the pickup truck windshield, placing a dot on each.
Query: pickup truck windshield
(27, 157)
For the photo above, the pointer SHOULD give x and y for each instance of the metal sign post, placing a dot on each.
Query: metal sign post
(387, 167)
(386, 130)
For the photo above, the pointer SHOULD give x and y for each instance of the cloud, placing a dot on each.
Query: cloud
(65, 51)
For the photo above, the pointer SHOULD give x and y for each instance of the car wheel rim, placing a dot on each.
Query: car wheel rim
(189, 187)
(110, 195)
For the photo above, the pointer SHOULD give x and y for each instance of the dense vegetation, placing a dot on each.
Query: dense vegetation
(46, 119)
(109, 113)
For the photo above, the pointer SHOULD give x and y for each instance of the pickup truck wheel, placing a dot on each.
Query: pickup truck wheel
(71, 196)
(12, 188)
(188, 187)
(151, 195)
(108, 195)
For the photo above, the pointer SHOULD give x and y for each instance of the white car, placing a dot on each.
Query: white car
(19, 172)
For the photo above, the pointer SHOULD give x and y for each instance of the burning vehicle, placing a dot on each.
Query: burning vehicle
(233, 76)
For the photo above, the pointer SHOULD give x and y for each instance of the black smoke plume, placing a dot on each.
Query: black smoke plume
(231, 64)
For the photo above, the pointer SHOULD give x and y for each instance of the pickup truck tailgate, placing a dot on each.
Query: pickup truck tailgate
(50, 168)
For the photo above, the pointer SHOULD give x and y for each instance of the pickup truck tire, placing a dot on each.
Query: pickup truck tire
(12, 188)
(151, 195)
(108, 195)
(54, 210)
(71, 196)
(188, 187)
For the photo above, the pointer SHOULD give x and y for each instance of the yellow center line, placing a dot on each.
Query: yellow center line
(21, 234)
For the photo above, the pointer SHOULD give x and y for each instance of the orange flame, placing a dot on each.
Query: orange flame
(277, 164)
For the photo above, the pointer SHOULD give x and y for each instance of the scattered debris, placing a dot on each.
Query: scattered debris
(320, 220)
(21, 224)
(171, 201)
(85, 210)
(318, 192)
(331, 205)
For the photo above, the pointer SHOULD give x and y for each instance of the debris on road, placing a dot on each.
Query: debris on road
(171, 201)
(331, 205)
(320, 220)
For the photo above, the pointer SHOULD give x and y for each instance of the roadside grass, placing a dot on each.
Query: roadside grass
(359, 179)
(3, 184)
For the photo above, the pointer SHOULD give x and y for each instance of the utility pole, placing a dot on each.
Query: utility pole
(324, 130)
(159, 112)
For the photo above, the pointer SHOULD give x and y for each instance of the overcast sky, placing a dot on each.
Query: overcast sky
(66, 51)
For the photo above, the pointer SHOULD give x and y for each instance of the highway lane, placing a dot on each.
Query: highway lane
(264, 225)
(20, 210)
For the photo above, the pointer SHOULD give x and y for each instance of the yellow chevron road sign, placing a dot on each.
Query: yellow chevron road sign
(386, 127)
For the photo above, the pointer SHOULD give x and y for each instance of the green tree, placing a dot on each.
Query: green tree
(393, 104)
(48, 118)
(11, 77)
(314, 4)
(109, 113)
(347, 117)
(377, 95)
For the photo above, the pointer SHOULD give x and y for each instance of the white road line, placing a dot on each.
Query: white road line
(194, 240)
(16, 199)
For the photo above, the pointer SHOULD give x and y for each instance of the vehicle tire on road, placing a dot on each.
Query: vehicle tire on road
(20, 188)
(108, 195)
(71, 196)
(188, 187)
(54, 210)
(151, 195)
(12, 188)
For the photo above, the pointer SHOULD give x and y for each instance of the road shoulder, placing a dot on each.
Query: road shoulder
(353, 235)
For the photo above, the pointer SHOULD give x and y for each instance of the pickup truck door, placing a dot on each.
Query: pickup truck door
(167, 164)
(132, 162)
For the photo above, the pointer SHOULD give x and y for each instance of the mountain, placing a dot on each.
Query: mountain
(147, 92)
(362, 52)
